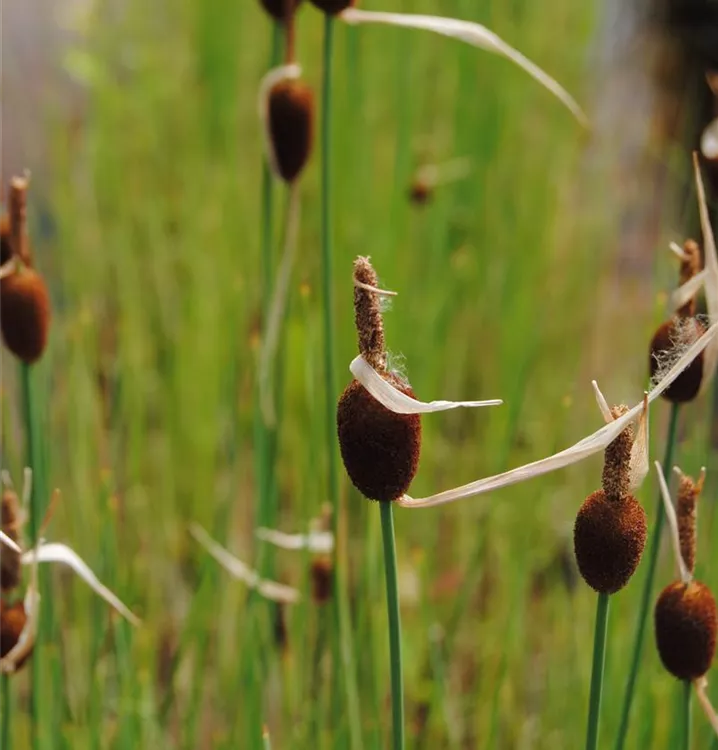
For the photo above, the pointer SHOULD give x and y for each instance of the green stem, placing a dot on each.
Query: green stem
(33, 460)
(392, 604)
(5, 736)
(686, 705)
(647, 593)
(343, 647)
(599, 661)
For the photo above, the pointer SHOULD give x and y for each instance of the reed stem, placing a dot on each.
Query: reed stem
(646, 594)
(599, 661)
(392, 604)
(343, 653)
(5, 712)
(686, 710)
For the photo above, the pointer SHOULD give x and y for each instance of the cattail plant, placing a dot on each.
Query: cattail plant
(19, 620)
(682, 328)
(380, 446)
(278, 9)
(685, 617)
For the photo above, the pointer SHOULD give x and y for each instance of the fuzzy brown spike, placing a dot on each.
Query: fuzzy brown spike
(5, 240)
(608, 538)
(322, 575)
(17, 203)
(616, 478)
(290, 122)
(25, 314)
(333, 7)
(367, 315)
(278, 8)
(685, 625)
(688, 493)
(10, 522)
(687, 385)
(12, 622)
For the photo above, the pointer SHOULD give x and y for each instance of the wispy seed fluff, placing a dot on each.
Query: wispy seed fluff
(610, 530)
(682, 328)
(685, 616)
(379, 447)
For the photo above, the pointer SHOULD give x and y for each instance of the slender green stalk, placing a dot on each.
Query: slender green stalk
(6, 712)
(343, 653)
(599, 661)
(392, 605)
(686, 706)
(646, 594)
(32, 459)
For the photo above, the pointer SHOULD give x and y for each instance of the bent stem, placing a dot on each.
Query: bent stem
(344, 666)
(599, 661)
(392, 604)
(646, 594)
(686, 710)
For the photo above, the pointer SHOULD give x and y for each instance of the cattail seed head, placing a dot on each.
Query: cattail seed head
(608, 538)
(278, 8)
(322, 575)
(12, 622)
(616, 478)
(333, 7)
(10, 566)
(24, 314)
(687, 385)
(5, 240)
(290, 122)
(380, 448)
(685, 623)
(688, 493)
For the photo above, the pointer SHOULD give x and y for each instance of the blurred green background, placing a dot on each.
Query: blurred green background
(544, 268)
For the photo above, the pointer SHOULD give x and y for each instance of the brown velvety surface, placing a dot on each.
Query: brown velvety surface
(685, 623)
(24, 314)
(291, 126)
(608, 538)
(380, 449)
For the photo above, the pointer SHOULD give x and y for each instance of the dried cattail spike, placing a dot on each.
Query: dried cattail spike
(688, 493)
(616, 479)
(278, 8)
(322, 575)
(10, 522)
(367, 314)
(333, 7)
(668, 339)
(690, 261)
(17, 203)
(12, 621)
(24, 314)
(608, 539)
(685, 623)
(5, 240)
(290, 123)
(379, 447)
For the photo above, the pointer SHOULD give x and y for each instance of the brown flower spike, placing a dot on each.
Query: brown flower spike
(290, 126)
(685, 614)
(10, 522)
(380, 448)
(24, 299)
(332, 7)
(13, 620)
(610, 530)
(682, 327)
(278, 8)
(378, 418)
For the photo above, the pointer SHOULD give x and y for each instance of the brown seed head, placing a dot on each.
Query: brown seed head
(688, 494)
(420, 192)
(687, 385)
(291, 126)
(332, 7)
(685, 623)
(367, 315)
(616, 478)
(5, 241)
(380, 449)
(12, 621)
(322, 575)
(10, 567)
(278, 8)
(24, 314)
(608, 540)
